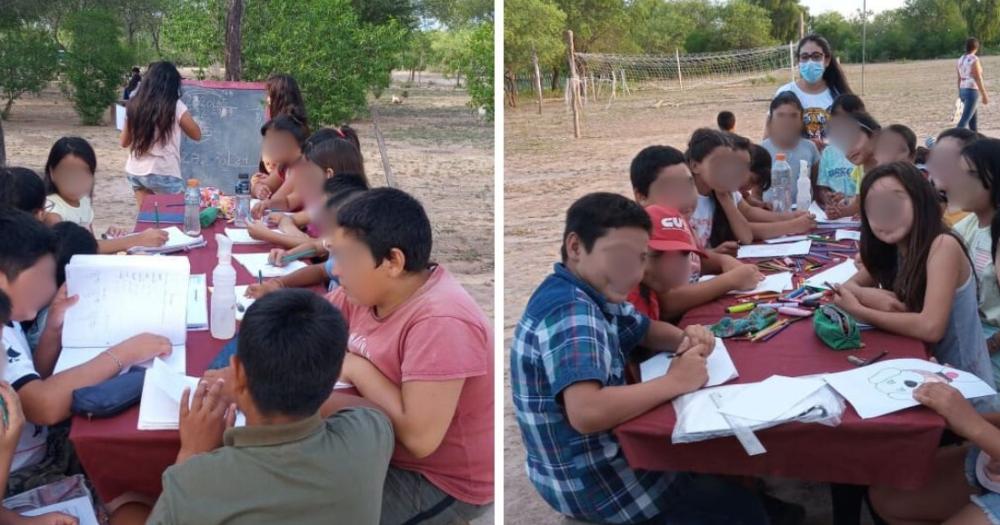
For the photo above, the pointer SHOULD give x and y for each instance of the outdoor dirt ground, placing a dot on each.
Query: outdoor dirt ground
(438, 147)
(546, 169)
(440, 150)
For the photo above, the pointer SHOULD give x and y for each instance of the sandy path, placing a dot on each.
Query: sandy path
(545, 170)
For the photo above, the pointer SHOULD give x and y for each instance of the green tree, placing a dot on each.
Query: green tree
(785, 16)
(378, 12)
(597, 25)
(479, 71)
(336, 58)
(532, 25)
(660, 28)
(982, 18)
(95, 62)
(944, 37)
(457, 13)
(844, 35)
(28, 61)
(194, 31)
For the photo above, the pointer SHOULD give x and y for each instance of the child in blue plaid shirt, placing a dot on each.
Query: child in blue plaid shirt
(567, 373)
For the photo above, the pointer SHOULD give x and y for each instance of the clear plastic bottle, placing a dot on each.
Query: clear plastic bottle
(242, 215)
(781, 184)
(803, 192)
(223, 322)
(192, 209)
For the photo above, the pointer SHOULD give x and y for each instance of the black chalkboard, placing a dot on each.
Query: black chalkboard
(230, 115)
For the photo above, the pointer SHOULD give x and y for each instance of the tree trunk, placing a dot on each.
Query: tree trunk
(555, 78)
(510, 81)
(3, 146)
(234, 40)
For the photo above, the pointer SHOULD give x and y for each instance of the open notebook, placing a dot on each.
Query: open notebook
(176, 241)
(121, 297)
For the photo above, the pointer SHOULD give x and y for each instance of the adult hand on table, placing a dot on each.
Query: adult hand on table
(727, 248)
(744, 277)
(204, 419)
(688, 372)
(151, 238)
(946, 400)
(141, 348)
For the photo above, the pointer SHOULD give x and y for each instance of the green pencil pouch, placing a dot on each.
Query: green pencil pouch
(836, 328)
(208, 216)
(758, 320)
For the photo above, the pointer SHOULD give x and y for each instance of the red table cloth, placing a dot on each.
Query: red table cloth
(117, 457)
(895, 450)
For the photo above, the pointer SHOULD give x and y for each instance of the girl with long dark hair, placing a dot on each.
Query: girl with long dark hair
(285, 98)
(154, 120)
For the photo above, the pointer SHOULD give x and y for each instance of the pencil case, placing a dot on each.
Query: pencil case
(111, 397)
(836, 328)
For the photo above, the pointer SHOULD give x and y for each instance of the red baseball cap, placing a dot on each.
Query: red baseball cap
(670, 231)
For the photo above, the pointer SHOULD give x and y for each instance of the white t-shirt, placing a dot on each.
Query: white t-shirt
(980, 245)
(701, 219)
(817, 108)
(82, 214)
(20, 370)
(965, 67)
(162, 158)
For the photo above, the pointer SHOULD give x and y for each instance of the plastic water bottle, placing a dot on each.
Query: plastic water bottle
(803, 193)
(781, 184)
(192, 209)
(242, 215)
(223, 323)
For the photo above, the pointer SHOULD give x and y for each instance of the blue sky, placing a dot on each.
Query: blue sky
(849, 7)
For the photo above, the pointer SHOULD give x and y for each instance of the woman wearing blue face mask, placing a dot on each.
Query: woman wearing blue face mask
(821, 80)
(970, 85)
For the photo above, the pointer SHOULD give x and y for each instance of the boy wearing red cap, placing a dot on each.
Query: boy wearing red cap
(668, 262)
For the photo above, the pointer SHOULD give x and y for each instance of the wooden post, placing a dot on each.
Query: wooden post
(574, 84)
(390, 179)
(538, 79)
(802, 25)
(680, 78)
(791, 59)
(234, 40)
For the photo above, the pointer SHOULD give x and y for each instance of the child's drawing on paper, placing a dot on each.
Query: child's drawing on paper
(900, 384)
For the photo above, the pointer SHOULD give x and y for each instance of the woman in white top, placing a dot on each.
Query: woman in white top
(970, 85)
(154, 120)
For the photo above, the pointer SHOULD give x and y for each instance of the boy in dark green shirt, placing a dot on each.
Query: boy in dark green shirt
(287, 465)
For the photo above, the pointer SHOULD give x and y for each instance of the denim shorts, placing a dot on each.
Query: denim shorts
(157, 184)
(986, 500)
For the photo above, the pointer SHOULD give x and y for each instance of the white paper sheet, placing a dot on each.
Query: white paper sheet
(774, 250)
(821, 216)
(787, 238)
(770, 398)
(197, 307)
(777, 282)
(121, 297)
(70, 357)
(80, 508)
(242, 236)
(176, 241)
(852, 235)
(161, 397)
(242, 301)
(255, 262)
(887, 386)
(838, 274)
(719, 363)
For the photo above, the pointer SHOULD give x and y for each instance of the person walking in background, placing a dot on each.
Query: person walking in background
(970, 85)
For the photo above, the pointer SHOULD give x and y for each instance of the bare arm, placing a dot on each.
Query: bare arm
(190, 127)
(125, 139)
(929, 324)
(977, 74)
(420, 411)
(738, 223)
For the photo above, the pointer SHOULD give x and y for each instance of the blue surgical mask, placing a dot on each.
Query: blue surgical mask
(811, 71)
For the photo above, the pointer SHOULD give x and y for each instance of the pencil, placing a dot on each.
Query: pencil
(156, 211)
(260, 276)
(296, 256)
